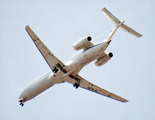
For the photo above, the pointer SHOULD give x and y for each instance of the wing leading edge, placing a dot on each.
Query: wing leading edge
(52, 60)
(94, 88)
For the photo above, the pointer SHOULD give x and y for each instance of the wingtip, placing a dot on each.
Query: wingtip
(140, 36)
(125, 101)
(103, 9)
(26, 26)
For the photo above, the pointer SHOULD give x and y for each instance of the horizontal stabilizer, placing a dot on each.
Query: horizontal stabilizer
(111, 17)
(130, 30)
(120, 24)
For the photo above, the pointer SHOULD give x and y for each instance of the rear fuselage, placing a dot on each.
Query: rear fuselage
(76, 63)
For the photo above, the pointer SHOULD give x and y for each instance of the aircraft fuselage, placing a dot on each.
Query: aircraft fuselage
(68, 71)
(73, 66)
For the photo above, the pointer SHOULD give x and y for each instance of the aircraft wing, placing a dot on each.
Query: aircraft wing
(94, 88)
(111, 16)
(46, 53)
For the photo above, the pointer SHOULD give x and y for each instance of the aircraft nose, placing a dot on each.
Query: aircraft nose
(22, 94)
(22, 98)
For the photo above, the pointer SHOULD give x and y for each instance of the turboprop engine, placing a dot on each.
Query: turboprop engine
(102, 60)
(81, 43)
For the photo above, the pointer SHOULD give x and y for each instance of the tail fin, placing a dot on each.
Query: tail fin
(120, 24)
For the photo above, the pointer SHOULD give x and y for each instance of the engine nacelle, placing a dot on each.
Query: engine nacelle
(80, 44)
(102, 60)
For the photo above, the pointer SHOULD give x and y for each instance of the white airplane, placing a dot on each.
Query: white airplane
(68, 71)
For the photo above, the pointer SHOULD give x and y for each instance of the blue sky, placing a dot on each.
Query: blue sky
(130, 73)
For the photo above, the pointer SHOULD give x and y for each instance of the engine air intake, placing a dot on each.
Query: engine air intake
(110, 54)
(89, 38)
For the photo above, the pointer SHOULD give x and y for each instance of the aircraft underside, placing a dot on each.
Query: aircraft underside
(68, 71)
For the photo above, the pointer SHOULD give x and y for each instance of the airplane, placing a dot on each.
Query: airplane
(68, 71)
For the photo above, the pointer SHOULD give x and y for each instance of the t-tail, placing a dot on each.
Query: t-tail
(120, 24)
